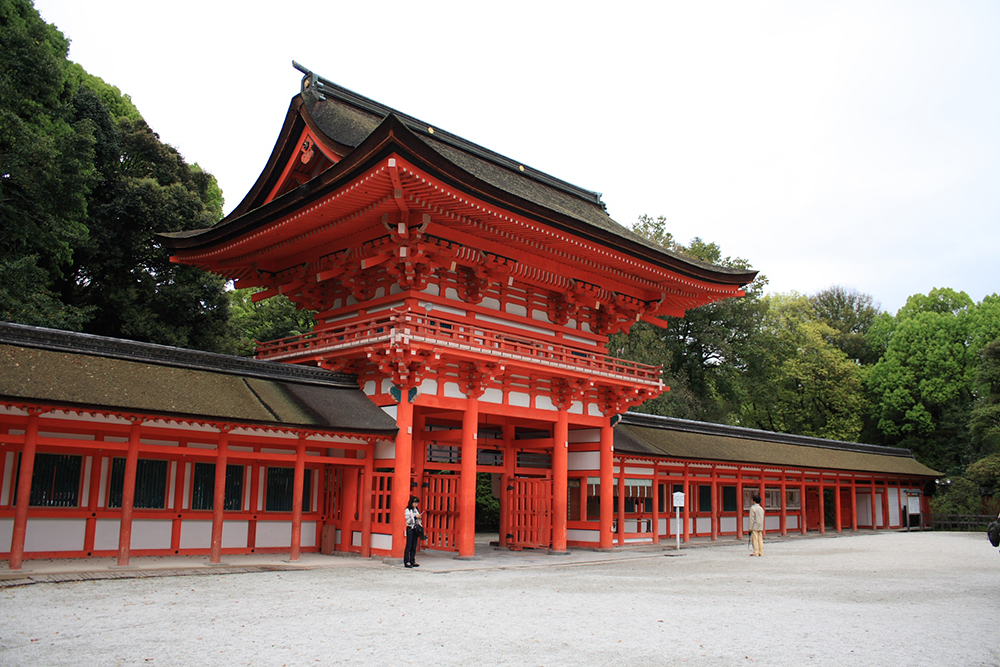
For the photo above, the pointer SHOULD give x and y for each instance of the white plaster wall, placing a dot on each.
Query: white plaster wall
(106, 535)
(381, 541)
(578, 535)
(389, 410)
(274, 534)
(519, 399)
(704, 525)
(54, 535)
(151, 533)
(308, 534)
(772, 522)
(584, 460)
(894, 519)
(235, 534)
(429, 387)
(385, 449)
(356, 538)
(198, 534)
(792, 521)
(727, 524)
(6, 533)
(492, 396)
(594, 410)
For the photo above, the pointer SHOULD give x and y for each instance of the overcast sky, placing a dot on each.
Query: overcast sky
(850, 143)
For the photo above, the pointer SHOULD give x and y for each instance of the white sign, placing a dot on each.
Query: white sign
(678, 499)
(913, 504)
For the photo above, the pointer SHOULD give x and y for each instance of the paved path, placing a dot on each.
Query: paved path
(897, 599)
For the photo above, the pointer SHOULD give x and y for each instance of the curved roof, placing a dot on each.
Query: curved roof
(83, 371)
(362, 129)
(652, 435)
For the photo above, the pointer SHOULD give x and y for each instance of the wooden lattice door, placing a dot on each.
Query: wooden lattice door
(441, 512)
(529, 513)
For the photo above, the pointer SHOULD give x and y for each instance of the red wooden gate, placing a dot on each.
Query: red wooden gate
(441, 512)
(529, 509)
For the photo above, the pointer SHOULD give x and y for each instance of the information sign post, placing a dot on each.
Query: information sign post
(678, 504)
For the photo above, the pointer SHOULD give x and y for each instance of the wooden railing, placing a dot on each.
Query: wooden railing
(966, 522)
(406, 328)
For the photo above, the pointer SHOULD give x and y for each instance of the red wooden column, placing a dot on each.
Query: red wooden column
(219, 496)
(739, 503)
(620, 509)
(854, 504)
(885, 505)
(686, 513)
(467, 481)
(560, 483)
(93, 495)
(822, 507)
(803, 528)
(297, 487)
(349, 506)
(401, 473)
(874, 498)
(365, 485)
(656, 503)
(836, 506)
(784, 504)
(509, 470)
(16, 557)
(128, 495)
(714, 521)
(607, 480)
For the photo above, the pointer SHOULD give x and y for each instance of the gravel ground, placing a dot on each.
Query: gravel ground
(901, 599)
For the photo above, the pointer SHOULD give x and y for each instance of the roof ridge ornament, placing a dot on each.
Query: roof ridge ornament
(310, 82)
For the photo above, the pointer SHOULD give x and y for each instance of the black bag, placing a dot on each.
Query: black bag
(993, 533)
(418, 531)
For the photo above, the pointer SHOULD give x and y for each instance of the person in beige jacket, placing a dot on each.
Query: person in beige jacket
(757, 527)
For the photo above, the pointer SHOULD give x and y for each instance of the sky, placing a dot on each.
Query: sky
(852, 143)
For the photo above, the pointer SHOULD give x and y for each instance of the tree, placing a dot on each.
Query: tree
(984, 423)
(269, 319)
(957, 496)
(810, 387)
(851, 315)
(708, 355)
(921, 389)
(46, 169)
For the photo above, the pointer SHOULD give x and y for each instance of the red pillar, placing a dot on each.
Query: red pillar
(401, 473)
(219, 496)
(715, 505)
(874, 513)
(837, 509)
(854, 505)
(620, 510)
(509, 470)
(686, 512)
(885, 505)
(784, 504)
(739, 504)
(467, 482)
(560, 484)
(128, 496)
(607, 480)
(23, 492)
(656, 504)
(349, 507)
(365, 485)
(803, 527)
(822, 508)
(297, 488)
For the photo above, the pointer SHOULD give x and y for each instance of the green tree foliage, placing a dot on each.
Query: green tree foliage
(84, 187)
(810, 386)
(957, 496)
(921, 388)
(46, 168)
(269, 319)
(706, 355)
(984, 422)
(851, 315)
(986, 473)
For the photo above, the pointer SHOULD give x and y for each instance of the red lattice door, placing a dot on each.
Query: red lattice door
(441, 512)
(529, 512)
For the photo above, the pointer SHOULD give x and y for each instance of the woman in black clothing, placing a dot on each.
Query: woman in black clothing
(414, 531)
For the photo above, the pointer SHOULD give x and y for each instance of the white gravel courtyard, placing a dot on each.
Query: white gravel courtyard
(900, 599)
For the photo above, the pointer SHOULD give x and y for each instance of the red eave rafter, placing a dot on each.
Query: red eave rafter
(312, 225)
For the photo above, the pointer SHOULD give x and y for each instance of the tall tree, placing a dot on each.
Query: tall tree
(270, 319)
(851, 314)
(46, 169)
(921, 389)
(708, 354)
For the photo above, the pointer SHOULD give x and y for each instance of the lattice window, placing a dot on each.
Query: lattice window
(203, 487)
(381, 498)
(150, 484)
(55, 480)
(280, 487)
